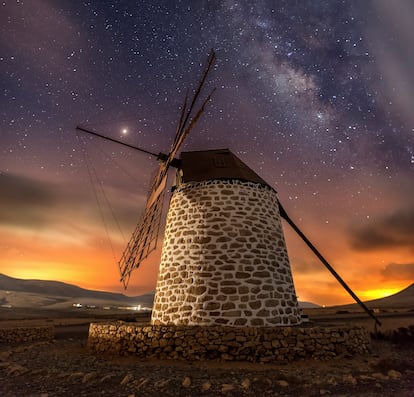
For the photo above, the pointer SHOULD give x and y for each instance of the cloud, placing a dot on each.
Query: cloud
(25, 201)
(399, 271)
(394, 231)
(35, 23)
(33, 204)
(44, 47)
(393, 48)
(306, 266)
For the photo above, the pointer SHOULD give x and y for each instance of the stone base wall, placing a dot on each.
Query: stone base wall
(25, 334)
(263, 344)
(224, 259)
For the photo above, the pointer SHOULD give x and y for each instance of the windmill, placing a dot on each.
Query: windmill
(224, 258)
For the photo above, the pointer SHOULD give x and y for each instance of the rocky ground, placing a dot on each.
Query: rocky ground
(65, 367)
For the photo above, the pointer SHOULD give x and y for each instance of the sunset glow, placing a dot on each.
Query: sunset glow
(380, 293)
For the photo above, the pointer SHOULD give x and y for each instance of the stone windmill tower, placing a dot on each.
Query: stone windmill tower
(224, 259)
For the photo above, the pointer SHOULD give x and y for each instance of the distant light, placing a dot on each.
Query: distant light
(124, 131)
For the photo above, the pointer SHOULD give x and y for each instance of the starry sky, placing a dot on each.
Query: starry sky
(315, 96)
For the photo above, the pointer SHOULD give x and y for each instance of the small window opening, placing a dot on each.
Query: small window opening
(219, 161)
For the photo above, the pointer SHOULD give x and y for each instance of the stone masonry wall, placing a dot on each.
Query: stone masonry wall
(254, 344)
(25, 334)
(224, 259)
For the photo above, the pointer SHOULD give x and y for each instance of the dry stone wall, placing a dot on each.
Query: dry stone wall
(224, 259)
(25, 334)
(254, 344)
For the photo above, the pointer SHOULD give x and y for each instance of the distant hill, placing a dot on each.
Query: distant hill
(26, 293)
(55, 294)
(308, 305)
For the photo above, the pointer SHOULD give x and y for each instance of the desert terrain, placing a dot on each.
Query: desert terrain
(64, 366)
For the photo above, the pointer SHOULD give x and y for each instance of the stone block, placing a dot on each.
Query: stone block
(263, 313)
(261, 275)
(197, 290)
(212, 306)
(242, 275)
(228, 306)
(271, 303)
(245, 232)
(243, 290)
(229, 290)
(255, 304)
(232, 313)
(223, 239)
(257, 322)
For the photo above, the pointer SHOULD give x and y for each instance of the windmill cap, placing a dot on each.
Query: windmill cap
(207, 165)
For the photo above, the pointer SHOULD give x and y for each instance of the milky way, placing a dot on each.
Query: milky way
(316, 96)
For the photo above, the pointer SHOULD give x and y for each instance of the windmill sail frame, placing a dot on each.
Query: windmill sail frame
(144, 239)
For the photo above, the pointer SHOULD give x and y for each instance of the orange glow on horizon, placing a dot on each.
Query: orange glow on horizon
(379, 293)
(83, 256)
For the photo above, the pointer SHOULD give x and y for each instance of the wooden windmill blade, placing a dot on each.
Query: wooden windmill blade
(180, 122)
(144, 238)
(183, 129)
(187, 130)
(286, 217)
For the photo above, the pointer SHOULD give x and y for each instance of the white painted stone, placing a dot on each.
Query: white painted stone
(224, 258)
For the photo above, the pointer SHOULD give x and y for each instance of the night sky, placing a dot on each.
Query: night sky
(315, 96)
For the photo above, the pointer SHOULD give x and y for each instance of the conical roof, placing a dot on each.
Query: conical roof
(206, 165)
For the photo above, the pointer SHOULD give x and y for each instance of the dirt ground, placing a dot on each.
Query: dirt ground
(65, 367)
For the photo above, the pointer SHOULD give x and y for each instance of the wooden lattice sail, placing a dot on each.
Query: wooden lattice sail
(144, 239)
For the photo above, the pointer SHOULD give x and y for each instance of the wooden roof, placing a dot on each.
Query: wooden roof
(216, 164)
